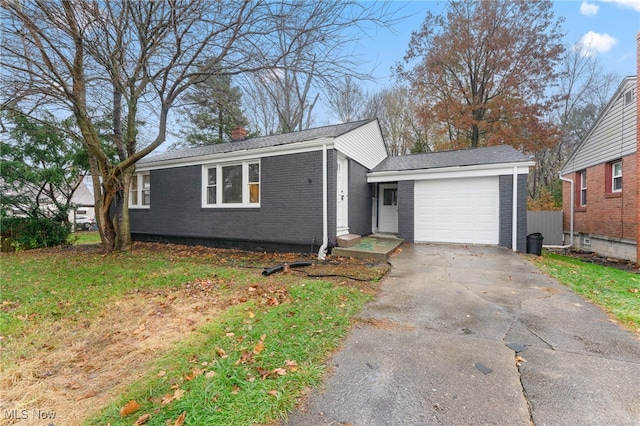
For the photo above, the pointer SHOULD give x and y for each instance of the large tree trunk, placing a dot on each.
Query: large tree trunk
(121, 221)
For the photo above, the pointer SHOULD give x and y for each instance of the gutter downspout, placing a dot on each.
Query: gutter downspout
(322, 253)
(571, 214)
(514, 219)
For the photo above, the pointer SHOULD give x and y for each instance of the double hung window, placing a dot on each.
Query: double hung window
(232, 185)
(140, 191)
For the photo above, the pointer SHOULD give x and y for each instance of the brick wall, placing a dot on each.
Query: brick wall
(290, 209)
(638, 147)
(610, 215)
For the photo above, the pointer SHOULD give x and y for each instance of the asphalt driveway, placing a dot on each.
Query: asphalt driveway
(470, 335)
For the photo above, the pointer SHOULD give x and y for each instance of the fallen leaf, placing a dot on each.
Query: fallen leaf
(273, 392)
(634, 290)
(129, 408)
(210, 374)
(279, 371)
(166, 399)
(178, 394)
(221, 353)
(161, 373)
(89, 394)
(142, 419)
(235, 389)
(74, 385)
(230, 334)
(180, 420)
(251, 314)
(263, 337)
(291, 365)
(263, 372)
(258, 348)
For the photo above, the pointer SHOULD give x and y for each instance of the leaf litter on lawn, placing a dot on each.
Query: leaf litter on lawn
(75, 368)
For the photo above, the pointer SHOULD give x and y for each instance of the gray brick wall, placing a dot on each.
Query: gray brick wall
(290, 209)
(359, 200)
(506, 212)
(406, 207)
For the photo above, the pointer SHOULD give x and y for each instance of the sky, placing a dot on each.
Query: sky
(609, 26)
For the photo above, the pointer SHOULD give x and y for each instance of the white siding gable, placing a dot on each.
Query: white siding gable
(364, 145)
(612, 136)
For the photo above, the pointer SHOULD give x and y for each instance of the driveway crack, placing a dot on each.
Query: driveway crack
(524, 391)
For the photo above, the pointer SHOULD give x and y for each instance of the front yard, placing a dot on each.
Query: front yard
(168, 333)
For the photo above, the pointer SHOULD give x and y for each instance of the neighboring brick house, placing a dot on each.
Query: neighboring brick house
(603, 174)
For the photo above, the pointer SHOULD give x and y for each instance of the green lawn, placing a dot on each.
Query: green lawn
(247, 365)
(617, 291)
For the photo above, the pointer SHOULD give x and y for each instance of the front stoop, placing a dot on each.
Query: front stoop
(371, 247)
(348, 240)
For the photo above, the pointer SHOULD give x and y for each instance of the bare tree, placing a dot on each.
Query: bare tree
(132, 60)
(347, 101)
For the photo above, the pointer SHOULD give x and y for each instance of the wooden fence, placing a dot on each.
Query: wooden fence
(548, 223)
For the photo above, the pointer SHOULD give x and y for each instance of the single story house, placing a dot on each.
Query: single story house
(301, 191)
(600, 186)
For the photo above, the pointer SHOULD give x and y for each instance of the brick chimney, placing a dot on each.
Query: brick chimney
(637, 149)
(238, 134)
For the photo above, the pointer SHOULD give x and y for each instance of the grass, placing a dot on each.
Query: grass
(45, 287)
(617, 291)
(248, 368)
(246, 364)
(85, 237)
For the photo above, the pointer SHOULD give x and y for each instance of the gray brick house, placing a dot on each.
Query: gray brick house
(300, 191)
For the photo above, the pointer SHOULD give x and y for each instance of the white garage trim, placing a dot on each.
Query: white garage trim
(461, 210)
(451, 172)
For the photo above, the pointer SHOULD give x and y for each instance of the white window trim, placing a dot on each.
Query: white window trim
(139, 180)
(613, 176)
(583, 188)
(245, 185)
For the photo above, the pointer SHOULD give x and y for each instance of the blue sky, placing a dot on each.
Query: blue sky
(610, 27)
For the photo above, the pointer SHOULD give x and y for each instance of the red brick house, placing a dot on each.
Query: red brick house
(601, 191)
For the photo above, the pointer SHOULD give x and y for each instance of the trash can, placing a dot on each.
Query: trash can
(534, 243)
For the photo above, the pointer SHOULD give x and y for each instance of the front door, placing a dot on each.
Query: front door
(388, 207)
(342, 204)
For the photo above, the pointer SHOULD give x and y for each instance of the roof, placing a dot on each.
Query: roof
(467, 157)
(261, 142)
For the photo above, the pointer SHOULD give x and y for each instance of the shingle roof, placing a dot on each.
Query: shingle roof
(260, 142)
(466, 157)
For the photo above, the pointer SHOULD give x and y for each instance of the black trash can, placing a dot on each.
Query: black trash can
(534, 243)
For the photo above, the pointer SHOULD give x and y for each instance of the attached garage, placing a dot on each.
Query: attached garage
(461, 210)
(474, 196)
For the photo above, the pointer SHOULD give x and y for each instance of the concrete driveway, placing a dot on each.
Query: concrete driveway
(472, 335)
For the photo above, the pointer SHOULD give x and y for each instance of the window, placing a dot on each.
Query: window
(616, 176)
(232, 185)
(140, 191)
(254, 183)
(628, 97)
(583, 188)
(390, 197)
(212, 180)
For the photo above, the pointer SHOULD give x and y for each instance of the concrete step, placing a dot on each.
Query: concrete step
(370, 247)
(348, 240)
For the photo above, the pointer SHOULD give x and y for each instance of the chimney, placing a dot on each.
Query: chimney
(238, 134)
(637, 149)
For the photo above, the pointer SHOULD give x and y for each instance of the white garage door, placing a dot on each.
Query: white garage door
(457, 210)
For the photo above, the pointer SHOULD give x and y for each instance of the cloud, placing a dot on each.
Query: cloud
(632, 4)
(589, 9)
(593, 43)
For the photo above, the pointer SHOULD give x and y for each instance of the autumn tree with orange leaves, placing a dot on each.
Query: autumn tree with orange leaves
(485, 66)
